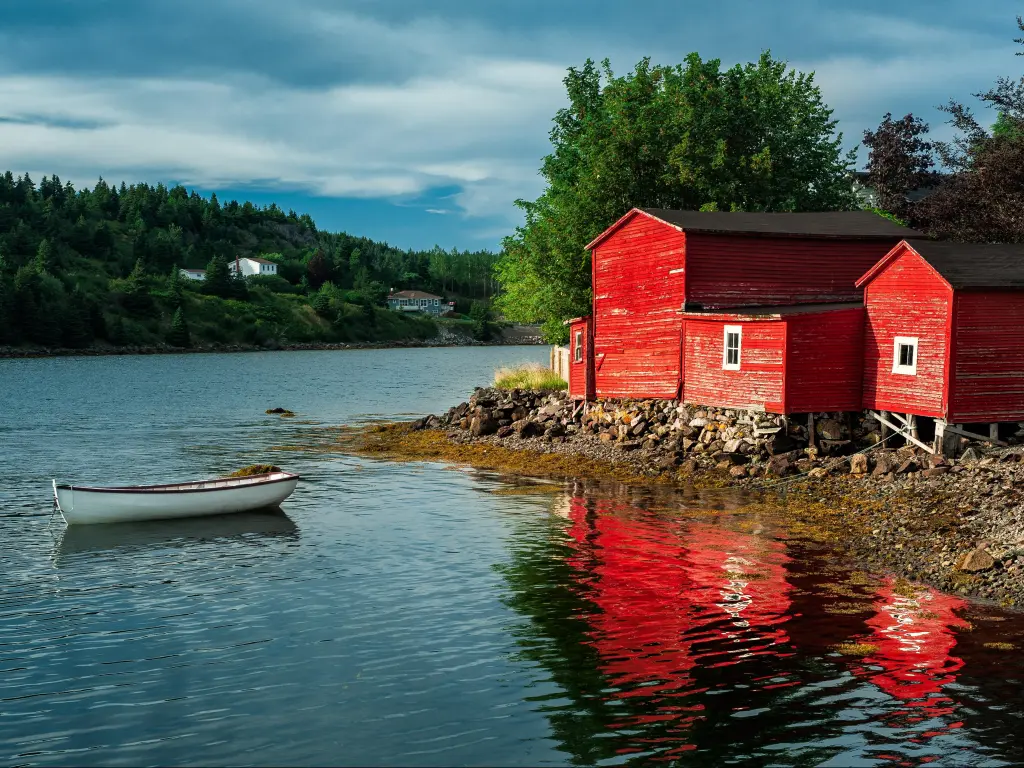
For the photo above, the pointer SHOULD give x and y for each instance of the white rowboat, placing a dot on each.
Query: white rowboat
(81, 505)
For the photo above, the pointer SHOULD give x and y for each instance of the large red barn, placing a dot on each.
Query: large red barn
(945, 332)
(653, 268)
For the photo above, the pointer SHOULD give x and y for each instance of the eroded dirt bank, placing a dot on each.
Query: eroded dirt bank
(955, 524)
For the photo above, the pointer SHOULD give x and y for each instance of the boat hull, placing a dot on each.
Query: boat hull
(83, 506)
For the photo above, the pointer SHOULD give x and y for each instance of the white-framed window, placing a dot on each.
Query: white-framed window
(577, 347)
(732, 347)
(904, 355)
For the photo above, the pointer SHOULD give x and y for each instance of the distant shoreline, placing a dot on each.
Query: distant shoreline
(16, 353)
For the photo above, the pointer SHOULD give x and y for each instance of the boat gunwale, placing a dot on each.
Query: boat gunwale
(260, 480)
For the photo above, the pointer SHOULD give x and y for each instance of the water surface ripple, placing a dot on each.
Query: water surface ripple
(417, 614)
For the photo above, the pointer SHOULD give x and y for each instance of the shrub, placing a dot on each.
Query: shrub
(528, 376)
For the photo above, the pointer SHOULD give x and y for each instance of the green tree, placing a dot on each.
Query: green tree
(179, 336)
(218, 278)
(481, 317)
(45, 260)
(755, 137)
(175, 289)
(116, 333)
(8, 333)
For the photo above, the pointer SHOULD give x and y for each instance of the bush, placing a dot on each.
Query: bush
(528, 376)
(273, 283)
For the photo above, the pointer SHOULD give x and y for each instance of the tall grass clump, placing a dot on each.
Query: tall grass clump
(528, 376)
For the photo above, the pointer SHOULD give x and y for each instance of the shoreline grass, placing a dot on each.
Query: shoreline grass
(529, 376)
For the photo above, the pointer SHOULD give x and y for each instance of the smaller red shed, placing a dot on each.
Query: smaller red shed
(945, 331)
(796, 359)
(581, 361)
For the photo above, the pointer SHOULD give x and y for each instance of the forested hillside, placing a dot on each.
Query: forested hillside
(79, 267)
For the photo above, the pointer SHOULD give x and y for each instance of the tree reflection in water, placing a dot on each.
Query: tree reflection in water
(696, 640)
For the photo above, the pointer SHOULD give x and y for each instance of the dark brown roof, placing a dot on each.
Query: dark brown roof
(833, 224)
(974, 265)
(412, 295)
(772, 311)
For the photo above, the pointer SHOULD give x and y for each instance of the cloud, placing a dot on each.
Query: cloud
(393, 100)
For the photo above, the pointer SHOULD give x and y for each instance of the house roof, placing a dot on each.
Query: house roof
(826, 224)
(772, 311)
(196, 271)
(974, 265)
(412, 295)
(259, 260)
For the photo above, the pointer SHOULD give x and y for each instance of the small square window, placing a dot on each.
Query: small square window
(732, 347)
(577, 348)
(904, 355)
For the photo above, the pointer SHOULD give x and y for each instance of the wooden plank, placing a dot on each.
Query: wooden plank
(903, 432)
(972, 435)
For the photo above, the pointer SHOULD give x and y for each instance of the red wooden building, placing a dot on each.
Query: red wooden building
(658, 273)
(945, 332)
(794, 359)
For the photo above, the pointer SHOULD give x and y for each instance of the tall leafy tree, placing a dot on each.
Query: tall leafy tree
(983, 199)
(900, 160)
(755, 137)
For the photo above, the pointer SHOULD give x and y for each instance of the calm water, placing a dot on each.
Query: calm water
(413, 614)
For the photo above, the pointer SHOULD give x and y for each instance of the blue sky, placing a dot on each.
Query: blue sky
(421, 122)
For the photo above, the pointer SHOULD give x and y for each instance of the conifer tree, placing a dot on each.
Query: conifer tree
(218, 278)
(179, 335)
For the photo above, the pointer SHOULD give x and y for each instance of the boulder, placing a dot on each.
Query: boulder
(638, 427)
(505, 431)
(908, 466)
(526, 428)
(935, 471)
(976, 561)
(738, 471)
(779, 443)
(779, 465)
(818, 472)
(482, 426)
(628, 445)
(829, 429)
(858, 464)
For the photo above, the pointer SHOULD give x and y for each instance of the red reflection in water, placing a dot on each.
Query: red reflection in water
(914, 637)
(672, 596)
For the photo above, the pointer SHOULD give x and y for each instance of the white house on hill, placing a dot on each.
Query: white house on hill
(193, 274)
(251, 265)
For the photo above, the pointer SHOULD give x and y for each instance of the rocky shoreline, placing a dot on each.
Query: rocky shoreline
(957, 524)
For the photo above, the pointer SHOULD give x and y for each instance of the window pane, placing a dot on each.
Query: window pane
(906, 355)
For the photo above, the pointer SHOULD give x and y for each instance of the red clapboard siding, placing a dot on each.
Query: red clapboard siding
(638, 284)
(733, 270)
(907, 298)
(578, 370)
(758, 383)
(824, 361)
(988, 381)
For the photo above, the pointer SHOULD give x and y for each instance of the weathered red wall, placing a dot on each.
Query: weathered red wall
(735, 270)
(988, 357)
(759, 382)
(906, 299)
(578, 371)
(638, 284)
(824, 361)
